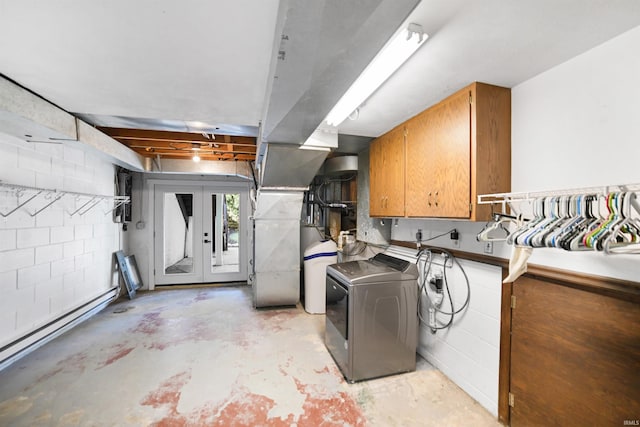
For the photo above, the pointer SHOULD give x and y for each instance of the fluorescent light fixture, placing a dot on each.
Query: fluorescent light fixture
(387, 61)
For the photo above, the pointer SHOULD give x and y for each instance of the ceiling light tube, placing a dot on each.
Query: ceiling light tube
(397, 50)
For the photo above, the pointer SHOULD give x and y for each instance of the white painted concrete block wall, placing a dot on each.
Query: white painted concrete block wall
(51, 262)
(469, 351)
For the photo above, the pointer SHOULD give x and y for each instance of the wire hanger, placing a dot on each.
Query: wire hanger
(498, 223)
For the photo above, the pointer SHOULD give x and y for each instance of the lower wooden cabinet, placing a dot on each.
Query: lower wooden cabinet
(574, 355)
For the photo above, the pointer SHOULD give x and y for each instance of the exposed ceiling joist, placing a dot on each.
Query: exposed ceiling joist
(184, 145)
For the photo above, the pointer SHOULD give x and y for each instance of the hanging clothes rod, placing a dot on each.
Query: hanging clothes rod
(53, 195)
(486, 199)
(19, 187)
(512, 200)
(597, 218)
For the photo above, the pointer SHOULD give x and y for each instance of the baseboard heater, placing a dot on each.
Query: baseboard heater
(45, 333)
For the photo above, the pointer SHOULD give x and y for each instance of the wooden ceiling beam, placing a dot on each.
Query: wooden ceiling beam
(179, 145)
(189, 153)
(156, 135)
(146, 145)
(181, 156)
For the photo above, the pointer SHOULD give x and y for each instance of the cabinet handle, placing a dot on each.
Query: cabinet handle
(436, 198)
(429, 199)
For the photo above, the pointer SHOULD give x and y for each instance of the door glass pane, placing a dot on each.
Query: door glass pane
(226, 230)
(178, 233)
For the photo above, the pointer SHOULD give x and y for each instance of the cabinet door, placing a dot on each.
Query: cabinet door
(376, 179)
(386, 174)
(439, 160)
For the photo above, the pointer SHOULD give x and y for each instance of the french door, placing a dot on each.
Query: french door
(200, 234)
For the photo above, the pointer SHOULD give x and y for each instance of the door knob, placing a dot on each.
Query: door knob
(207, 241)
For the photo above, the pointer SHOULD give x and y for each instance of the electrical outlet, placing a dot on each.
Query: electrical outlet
(455, 236)
(488, 247)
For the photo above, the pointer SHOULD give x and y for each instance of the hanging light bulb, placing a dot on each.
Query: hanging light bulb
(196, 152)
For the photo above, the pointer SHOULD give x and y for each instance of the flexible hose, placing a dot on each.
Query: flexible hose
(423, 289)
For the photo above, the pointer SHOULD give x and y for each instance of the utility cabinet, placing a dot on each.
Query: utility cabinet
(457, 149)
(438, 153)
(453, 151)
(387, 174)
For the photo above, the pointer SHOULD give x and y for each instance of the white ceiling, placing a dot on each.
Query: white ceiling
(195, 60)
(211, 60)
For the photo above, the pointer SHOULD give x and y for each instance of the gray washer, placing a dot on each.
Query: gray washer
(371, 317)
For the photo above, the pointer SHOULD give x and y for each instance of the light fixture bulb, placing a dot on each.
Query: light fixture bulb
(196, 158)
(397, 50)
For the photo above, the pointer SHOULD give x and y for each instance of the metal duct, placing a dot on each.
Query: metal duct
(341, 165)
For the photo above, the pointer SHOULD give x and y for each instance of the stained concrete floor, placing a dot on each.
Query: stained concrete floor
(205, 357)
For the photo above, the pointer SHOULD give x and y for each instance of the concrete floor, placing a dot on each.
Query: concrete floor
(204, 356)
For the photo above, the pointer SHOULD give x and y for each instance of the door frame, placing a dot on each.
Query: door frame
(243, 187)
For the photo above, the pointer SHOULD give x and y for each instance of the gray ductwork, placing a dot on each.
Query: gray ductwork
(285, 173)
(320, 48)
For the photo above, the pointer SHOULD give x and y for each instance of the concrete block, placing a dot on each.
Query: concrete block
(7, 240)
(50, 217)
(93, 244)
(73, 155)
(71, 249)
(103, 172)
(8, 281)
(20, 219)
(35, 161)
(83, 261)
(49, 288)
(48, 253)
(76, 219)
(31, 237)
(33, 315)
(62, 267)
(17, 299)
(73, 279)
(485, 302)
(68, 299)
(68, 170)
(50, 181)
(84, 173)
(8, 155)
(84, 231)
(57, 167)
(55, 151)
(13, 260)
(18, 176)
(7, 326)
(103, 230)
(61, 234)
(30, 276)
(77, 185)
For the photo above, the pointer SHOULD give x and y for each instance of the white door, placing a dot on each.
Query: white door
(200, 234)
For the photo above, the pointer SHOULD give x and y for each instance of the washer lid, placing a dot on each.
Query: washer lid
(366, 271)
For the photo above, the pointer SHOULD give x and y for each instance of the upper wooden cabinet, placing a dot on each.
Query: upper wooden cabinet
(455, 150)
(438, 153)
(387, 175)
